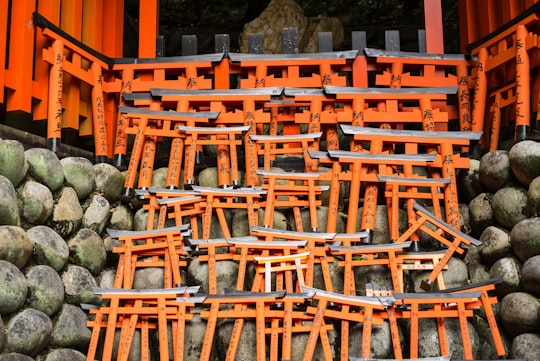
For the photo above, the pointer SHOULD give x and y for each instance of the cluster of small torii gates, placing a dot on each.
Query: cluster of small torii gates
(373, 117)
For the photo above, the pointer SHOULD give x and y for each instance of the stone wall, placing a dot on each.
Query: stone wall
(54, 249)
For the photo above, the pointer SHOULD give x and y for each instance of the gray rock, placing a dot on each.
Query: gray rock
(79, 174)
(13, 288)
(36, 202)
(525, 238)
(279, 222)
(49, 247)
(148, 278)
(240, 224)
(533, 197)
(468, 181)
(226, 274)
(14, 356)
(472, 255)
(97, 214)
(2, 336)
(29, 332)
(193, 340)
(322, 220)
(106, 278)
(428, 338)
(510, 206)
(159, 178)
(208, 177)
(247, 346)
(525, 161)
(299, 342)
(140, 221)
(45, 289)
(62, 354)
(381, 233)
(519, 313)
(215, 227)
(481, 213)
(9, 210)
(378, 276)
(134, 351)
(526, 346)
(109, 181)
(530, 275)
(509, 270)
(477, 272)
(457, 274)
(78, 285)
(70, 328)
(381, 341)
(86, 249)
(45, 167)
(15, 246)
(121, 217)
(67, 214)
(495, 244)
(494, 170)
(13, 164)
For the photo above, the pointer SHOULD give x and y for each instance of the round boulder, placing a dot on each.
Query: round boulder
(524, 160)
(13, 288)
(13, 164)
(15, 246)
(322, 218)
(533, 197)
(509, 270)
(70, 328)
(428, 338)
(510, 206)
(519, 313)
(481, 213)
(495, 244)
(45, 167)
(62, 354)
(121, 217)
(97, 214)
(36, 202)
(45, 289)
(29, 332)
(526, 346)
(525, 238)
(67, 213)
(49, 247)
(14, 356)
(109, 181)
(86, 249)
(530, 275)
(159, 178)
(9, 209)
(79, 285)
(79, 174)
(226, 275)
(208, 177)
(468, 180)
(494, 170)
(148, 278)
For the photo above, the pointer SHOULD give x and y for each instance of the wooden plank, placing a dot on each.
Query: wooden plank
(113, 38)
(4, 6)
(434, 26)
(21, 56)
(148, 27)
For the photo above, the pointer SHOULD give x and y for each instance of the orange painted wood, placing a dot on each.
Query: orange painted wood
(4, 6)
(434, 26)
(20, 63)
(50, 9)
(148, 27)
(113, 38)
(92, 24)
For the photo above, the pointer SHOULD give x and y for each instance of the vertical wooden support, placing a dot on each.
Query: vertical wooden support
(21, 55)
(523, 85)
(434, 26)
(71, 23)
(4, 6)
(50, 9)
(359, 66)
(113, 38)
(121, 138)
(480, 92)
(221, 70)
(55, 111)
(98, 115)
(148, 27)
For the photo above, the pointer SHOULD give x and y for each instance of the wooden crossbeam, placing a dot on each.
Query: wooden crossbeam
(450, 237)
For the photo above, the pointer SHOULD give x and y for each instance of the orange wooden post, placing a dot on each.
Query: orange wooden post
(480, 92)
(148, 27)
(434, 26)
(18, 78)
(113, 38)
(98, 115)
(120, 145)
(55, 112)
(523, 85)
